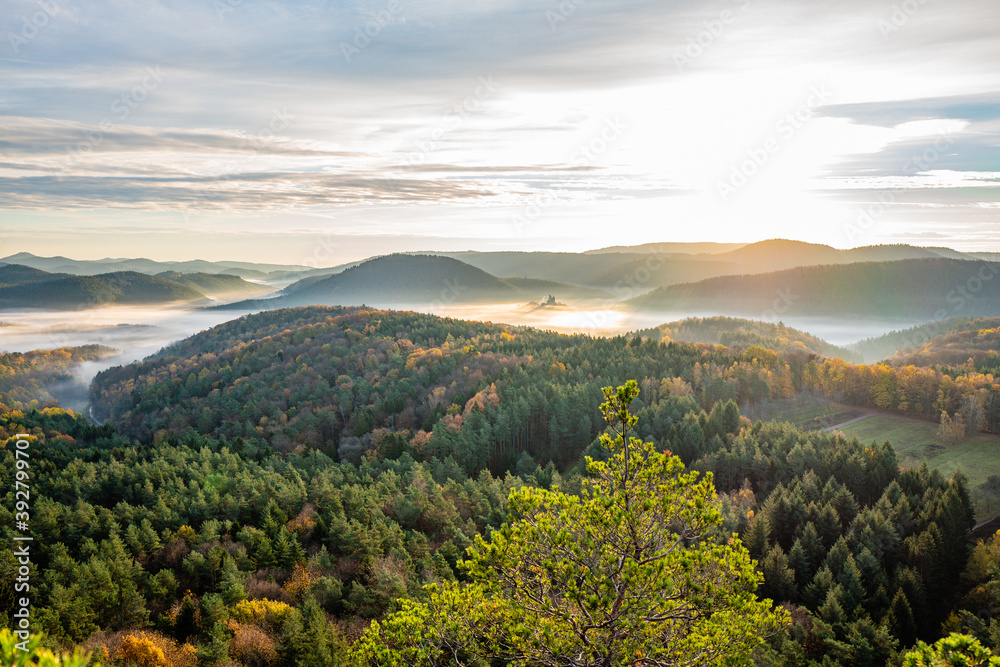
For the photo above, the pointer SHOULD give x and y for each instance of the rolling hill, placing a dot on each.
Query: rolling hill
(416, 281)
(121, 288)
(905, 289)
(950, 343)
(954, 349)
(537, 289)
(668, 248)
(564, 267)
(215, 285)
(777, 254)
(25, 287)
(628, 271)
(637, 276)
(743, 333)
(12, 275)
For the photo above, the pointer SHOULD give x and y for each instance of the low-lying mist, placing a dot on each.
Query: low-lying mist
(137, 332)
(607, 320)
(133, 332)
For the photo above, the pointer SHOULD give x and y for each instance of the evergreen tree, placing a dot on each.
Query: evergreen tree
(624, 573)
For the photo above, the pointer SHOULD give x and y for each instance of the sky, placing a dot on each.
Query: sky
(318, 131)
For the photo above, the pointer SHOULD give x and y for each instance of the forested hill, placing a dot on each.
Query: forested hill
(350, 380)
(931, 335)
(977, 340)
(409, 279)
(418, 281)
(741, 333)
(29, 380)
(12, 275)
(912, 288)
(24, 287)
(410, 413)
(124, 288)
(215, 285)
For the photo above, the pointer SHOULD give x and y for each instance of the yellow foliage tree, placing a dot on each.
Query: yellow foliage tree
(142, 648)
(299, 583)
(265, 613)
(141, 652)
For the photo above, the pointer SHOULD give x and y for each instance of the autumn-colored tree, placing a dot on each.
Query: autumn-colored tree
(951, 428)
(142, 652)
(252, 645)
(299, 582)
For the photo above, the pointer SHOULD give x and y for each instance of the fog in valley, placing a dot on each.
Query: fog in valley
(134, 333)
(612, 321)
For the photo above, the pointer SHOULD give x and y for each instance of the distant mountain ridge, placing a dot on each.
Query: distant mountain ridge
(650, 276)
(669, 248)
(25, 287)
(628, 271)
(78, 267)
(623, 271)
(910, 288)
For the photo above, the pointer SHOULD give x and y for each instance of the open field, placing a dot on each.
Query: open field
(806, 412)
(915, 441)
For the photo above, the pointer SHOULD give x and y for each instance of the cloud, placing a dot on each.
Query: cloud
(45, 136)
(238, 105)
(978, 107)
(245, 191)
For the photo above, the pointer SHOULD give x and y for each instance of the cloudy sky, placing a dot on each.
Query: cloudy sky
(321, 131)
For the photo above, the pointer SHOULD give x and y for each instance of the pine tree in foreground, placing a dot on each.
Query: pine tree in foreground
(633, 571)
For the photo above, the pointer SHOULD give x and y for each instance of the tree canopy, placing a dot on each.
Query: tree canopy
(632, 571)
